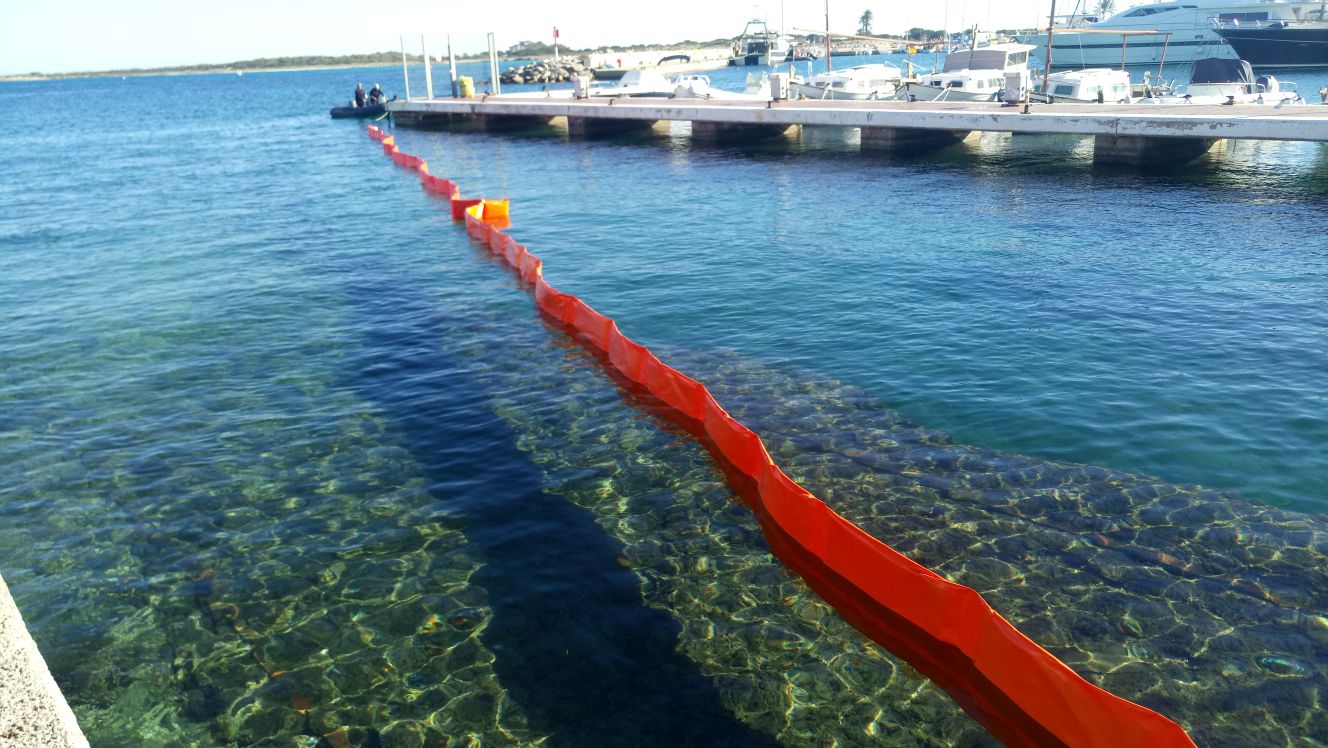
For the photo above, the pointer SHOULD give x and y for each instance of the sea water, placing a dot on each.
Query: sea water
(289, 459)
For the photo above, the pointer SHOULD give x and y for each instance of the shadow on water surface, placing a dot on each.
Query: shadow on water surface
(574, 644)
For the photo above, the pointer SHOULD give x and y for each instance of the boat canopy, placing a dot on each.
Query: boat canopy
(986, 58)
(1219, 70)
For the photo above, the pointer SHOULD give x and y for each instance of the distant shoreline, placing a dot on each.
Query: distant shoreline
(328, 62)
(219, 70)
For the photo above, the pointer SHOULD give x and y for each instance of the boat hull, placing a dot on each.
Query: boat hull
(918, 92)
(1289, 47)
(820, 93)
(1071, 50)
(752, 60)
(358, 112)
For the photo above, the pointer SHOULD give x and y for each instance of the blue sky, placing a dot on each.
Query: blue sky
(76, 35)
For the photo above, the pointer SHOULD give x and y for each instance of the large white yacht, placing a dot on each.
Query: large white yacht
(1190, 23)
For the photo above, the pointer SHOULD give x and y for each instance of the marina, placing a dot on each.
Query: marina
(824, 415)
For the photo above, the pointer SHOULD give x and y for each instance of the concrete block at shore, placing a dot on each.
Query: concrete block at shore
(33, 712)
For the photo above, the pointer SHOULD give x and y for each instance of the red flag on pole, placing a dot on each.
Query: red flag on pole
(555, 33)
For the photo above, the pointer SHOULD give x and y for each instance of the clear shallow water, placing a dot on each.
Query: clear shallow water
(290, 458)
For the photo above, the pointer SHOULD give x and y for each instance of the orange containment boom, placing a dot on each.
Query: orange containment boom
(1019, 691)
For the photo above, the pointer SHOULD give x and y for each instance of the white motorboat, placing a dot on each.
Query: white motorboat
(691, 86)
(759, 48)
(1097, 85)
(1224, 81)
(877, 81)
(1188, 26)
(636, 84)
(970, 75)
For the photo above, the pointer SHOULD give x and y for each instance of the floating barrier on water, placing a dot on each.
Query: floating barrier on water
(1019, 691)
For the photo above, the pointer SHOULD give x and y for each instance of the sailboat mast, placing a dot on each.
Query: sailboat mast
(829, 65)
(1051, 25)
(945, 31)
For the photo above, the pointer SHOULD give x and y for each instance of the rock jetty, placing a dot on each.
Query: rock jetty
(543, 71)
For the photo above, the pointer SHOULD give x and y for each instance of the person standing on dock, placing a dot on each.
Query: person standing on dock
(359, 94)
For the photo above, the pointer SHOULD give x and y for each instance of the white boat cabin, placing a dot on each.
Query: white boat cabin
(973, 74)
(875, 81)
(1100, 85)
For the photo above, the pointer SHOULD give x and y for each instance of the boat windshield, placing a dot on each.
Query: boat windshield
(1219, 70)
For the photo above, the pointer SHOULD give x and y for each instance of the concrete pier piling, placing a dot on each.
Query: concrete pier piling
(909, 139)
(1133, 150)
(591, 127)
(509, 122)
(730, 132)
(33, 712)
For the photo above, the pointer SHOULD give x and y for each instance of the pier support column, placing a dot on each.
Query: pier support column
(735, 132)
(1140, 150)
(905, 140)
(508, 122)
(595, 127)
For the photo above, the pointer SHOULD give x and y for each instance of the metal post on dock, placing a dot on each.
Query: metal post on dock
(494, 86)
(405, 71)
(428, 72)
(451, 62)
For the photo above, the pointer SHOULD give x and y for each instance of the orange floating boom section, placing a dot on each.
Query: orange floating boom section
(1019, 691)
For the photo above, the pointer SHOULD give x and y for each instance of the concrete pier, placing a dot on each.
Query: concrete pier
(900, 126)
(33, 712)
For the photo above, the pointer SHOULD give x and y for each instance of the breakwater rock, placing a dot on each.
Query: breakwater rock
(543, 71)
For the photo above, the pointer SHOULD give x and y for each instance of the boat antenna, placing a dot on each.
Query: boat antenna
(1051, 25)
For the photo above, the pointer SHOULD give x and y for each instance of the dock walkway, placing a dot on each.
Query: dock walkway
(1128, 133)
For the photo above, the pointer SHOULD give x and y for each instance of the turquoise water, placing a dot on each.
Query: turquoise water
(289, 459)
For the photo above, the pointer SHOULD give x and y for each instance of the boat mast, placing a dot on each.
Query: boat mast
(1051, 25)
(829, 65)
(945, 32)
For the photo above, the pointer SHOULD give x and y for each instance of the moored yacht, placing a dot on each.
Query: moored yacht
(760, 48)
(1280, 44)
(970, 74)
(1226, 81)
(1098, 85)
(877, 81)
(1188, 27)
(694, 86)
(646, 84)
